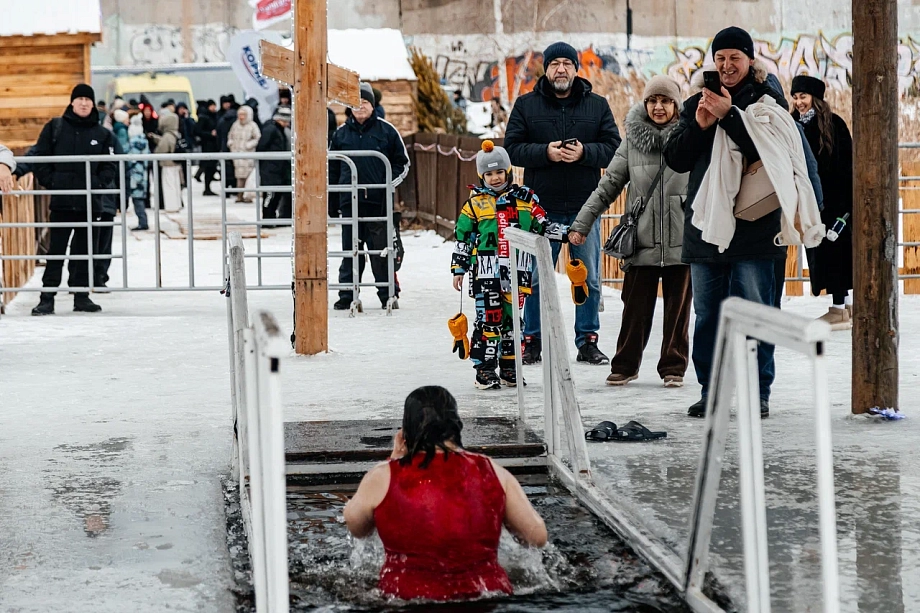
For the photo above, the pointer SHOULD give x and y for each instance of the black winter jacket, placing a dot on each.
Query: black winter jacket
(224, 124)
(539, 118)
(689, 149)
(207, 122)
(274, 172)
(375, 134)
(76, 136)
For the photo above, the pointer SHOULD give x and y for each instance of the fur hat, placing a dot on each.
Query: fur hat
(120, 116)
(492, 158)
(803, 84)
(661, 85)
(136, 125)
(733, 38)
(560, 50)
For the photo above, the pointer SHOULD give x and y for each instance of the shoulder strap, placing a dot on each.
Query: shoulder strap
(651, 190)
(57, 124)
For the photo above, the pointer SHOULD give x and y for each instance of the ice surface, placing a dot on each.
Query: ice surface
(115, 430)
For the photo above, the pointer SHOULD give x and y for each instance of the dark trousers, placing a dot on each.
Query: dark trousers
(372, 235)
(278, 205)
(77, 269)
(209, 168)
(228, 175)
(639, 295)
(102, 244)
(752, 280)
(779, 282)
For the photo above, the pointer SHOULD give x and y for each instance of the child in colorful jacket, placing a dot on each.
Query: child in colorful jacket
(483, 251)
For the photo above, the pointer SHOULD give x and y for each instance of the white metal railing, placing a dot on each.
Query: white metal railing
(570, 464)
(742, 324)
(186, 160)
(257, 461)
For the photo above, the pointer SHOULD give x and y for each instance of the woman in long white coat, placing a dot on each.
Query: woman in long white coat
(243, 137)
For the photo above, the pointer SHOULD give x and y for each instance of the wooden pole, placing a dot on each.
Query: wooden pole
(875, 205)
(311, 298)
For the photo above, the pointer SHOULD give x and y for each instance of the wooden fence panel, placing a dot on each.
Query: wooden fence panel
(426, 176)
(448, 171)
(406, 194)
(17, 241)
(910, 199)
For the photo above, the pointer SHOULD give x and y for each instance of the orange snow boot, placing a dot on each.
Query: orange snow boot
(458, 327)
(578, 275)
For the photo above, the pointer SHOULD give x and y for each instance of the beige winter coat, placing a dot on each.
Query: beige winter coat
(243, 137)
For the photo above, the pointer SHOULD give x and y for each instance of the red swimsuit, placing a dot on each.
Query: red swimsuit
(440, 528)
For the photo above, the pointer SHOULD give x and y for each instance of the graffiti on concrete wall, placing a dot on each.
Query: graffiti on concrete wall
(479, 79)
(162, 44)
(817, 56)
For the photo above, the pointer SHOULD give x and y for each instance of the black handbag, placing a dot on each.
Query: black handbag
(621, 243)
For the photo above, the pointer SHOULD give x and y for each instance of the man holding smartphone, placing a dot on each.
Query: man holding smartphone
(563, 135)
(746, 268)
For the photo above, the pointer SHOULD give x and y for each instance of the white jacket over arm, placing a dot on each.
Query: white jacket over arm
(6, 158)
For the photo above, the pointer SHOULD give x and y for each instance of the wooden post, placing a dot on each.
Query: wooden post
(311, 297)
(875, 205)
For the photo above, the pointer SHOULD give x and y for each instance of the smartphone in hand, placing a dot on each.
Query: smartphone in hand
(569, 142)
(712, 82)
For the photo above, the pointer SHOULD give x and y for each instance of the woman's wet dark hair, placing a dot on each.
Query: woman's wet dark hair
(430, 421)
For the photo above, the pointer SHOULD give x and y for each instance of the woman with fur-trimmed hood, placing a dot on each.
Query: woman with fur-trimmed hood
(637, 163)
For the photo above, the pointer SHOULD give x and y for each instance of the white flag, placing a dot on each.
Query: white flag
(245, 60)
(269, 12)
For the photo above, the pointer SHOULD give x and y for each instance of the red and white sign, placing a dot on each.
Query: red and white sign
(269, 12)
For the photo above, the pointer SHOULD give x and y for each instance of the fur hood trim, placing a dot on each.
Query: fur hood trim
(696, 81)
(643, 133)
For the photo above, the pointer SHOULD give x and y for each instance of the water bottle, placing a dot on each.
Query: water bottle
(838, 227)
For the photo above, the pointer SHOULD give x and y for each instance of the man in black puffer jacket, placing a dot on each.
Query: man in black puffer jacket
(273, 173)
(746, 268)
(563, 135)
(365, 131)
(76, 133)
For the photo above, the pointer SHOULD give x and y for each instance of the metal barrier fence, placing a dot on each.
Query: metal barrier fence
(257, 458)
(187, 159)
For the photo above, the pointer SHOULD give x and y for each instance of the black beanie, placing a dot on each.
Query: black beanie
(733, 38)
(803, 84)
(82, 91)
(560, 50)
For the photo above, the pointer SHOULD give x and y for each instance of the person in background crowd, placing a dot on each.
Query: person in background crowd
(331, 125)
(151, 122)
(243, 138)
(169, 105)
(7, 166)
(746, 268)
(284, 97)
(378, 108)
(638, 162)
(563, 135)
(76, 133)
(274, 173)
(365, 131)
(830, 264)
(133, 103)
(227, 103)
(459, 101)
(206, 131)
(499, 121)
(187, 126)
(226, 118)
(101, 111)
(170, 175)
(137, 171)
(439, 509)
(254, 105)
(120, 128)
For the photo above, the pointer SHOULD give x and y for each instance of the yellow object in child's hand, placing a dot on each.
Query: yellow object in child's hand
(578, 275)
(459, 327)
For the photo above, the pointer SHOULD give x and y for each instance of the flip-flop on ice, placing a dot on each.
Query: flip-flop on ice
(633, 432)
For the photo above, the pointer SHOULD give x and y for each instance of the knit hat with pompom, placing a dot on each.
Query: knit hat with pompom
(492, 158)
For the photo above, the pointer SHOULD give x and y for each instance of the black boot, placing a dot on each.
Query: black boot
(590, 353)
(533, 349)
(486, 379)
(697, 409)
(82, 304)
(45, 305)
(342, 304)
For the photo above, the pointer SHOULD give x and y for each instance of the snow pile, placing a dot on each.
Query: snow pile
(50, 17)
(375, 54)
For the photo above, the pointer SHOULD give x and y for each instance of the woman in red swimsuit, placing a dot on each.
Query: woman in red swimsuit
(439, 510)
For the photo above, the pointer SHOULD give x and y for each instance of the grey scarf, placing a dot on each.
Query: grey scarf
(807, 117)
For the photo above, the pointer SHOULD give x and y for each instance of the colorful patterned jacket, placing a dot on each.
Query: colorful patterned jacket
(481, 247)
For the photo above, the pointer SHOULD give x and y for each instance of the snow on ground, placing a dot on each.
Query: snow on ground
(116, 430)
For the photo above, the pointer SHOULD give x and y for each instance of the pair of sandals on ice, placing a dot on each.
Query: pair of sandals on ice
(633, 432)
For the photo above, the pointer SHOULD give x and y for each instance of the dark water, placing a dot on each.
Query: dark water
(586, 567)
